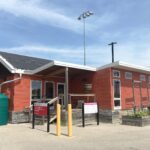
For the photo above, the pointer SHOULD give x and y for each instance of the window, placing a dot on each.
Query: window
(116, 73)
(142, 77)
(128, 75)
(60, 93)
(117, 97)
(36, 89)
(116, 89)
(49, 90)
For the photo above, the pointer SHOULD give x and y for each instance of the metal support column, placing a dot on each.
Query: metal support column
(66, 87)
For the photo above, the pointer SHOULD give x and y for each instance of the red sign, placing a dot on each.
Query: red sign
(40, 109)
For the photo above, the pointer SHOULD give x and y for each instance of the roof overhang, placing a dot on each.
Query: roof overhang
(117, 65)
(63, 64)
(126, 66)
(11, 68)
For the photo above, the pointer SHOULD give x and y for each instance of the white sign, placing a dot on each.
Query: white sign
(90, 108)
(40, 104)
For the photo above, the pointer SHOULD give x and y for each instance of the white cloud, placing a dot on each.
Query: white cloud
(95, 55)
(46, 52)
(33, 10)
(56, 17)
(39, 48)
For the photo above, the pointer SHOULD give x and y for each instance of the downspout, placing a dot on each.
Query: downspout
(10, 81)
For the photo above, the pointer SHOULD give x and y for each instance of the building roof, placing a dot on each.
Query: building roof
(126, 66)
(30, 65)
(24, 62)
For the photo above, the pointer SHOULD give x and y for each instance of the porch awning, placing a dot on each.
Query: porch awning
(58, 69)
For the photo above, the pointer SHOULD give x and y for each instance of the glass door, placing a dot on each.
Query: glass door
(61, 92)
(117, 94)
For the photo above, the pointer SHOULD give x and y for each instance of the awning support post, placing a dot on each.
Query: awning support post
(66, 87)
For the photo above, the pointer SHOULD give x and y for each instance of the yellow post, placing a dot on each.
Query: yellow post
(69, 120)
(58, 113)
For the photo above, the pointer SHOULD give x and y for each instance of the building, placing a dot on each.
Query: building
(25, 79)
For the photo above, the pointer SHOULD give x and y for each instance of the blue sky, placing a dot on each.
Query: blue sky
(50, 29)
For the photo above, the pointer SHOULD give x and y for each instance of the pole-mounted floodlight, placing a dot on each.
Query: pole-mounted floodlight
(112, 48)
(83, 16)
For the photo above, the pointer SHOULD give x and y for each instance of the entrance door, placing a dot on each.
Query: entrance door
(117, 94)
(61, 93)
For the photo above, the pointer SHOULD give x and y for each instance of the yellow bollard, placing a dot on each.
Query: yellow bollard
(69, 120)
(58, 113)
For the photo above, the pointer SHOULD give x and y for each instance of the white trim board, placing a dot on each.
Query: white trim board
(9, 66)
(126, 66)
(63, 64)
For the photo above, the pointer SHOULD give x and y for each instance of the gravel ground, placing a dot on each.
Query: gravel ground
(92, 137)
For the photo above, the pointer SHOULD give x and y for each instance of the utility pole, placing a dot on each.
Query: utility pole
(112, 48)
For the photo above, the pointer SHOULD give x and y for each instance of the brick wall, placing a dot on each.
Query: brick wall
(76, 86)
(22, 93)
(103, 89)
(77, 82)
(22, 90)
(127, 92)
(102, 86)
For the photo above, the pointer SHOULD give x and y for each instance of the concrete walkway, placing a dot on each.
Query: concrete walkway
(102, 137)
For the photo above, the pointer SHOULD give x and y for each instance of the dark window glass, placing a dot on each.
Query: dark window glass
(116, 89)
(116, 73)
(142, 77)
(128, 75)
(117, 103)
(60, 89)
(36, 89)
(49, 90)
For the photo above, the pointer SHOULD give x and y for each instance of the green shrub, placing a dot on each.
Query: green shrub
(139, 114)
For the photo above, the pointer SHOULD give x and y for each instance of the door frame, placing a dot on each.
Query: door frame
(45, 88)
(61, 83)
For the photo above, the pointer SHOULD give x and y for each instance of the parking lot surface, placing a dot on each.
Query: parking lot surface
(92, 137)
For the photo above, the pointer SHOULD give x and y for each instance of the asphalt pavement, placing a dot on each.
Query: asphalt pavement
(92, 137)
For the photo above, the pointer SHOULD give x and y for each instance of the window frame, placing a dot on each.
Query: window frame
(114, 98)
(128, 78)
(45, 89)
(116, 76)
(31, 100)
(63, 103)
(143, 76)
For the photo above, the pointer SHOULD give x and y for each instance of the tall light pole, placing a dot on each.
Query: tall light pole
(83, 16)
(112, 49)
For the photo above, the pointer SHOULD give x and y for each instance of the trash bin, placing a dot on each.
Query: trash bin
(3, 109)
